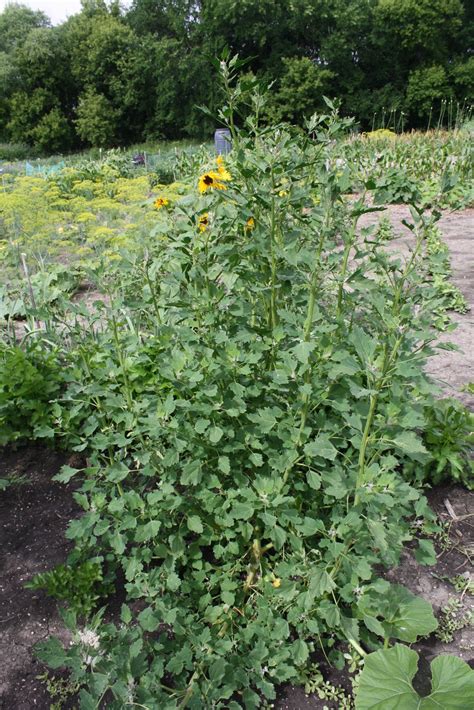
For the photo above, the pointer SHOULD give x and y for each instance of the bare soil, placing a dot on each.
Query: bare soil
(451, 370)
(34, 513)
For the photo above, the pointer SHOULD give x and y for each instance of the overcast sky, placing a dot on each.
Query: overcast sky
(56, 10)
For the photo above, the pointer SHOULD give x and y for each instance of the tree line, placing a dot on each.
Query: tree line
(109, 76)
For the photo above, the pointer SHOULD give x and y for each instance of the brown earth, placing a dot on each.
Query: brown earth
(34, 513)
(451, 370)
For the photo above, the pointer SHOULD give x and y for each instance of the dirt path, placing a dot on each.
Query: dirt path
(34, 513)
(450, 369)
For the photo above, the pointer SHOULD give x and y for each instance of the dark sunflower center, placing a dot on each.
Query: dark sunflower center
(208, 180)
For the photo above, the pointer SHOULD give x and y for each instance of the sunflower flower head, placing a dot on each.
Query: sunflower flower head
(203, 222)
(212, 180)
(222, 170)
(161, 202)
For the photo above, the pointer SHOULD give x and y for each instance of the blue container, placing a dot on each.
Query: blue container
(222, 141)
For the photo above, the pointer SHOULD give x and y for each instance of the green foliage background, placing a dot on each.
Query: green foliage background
(109, 77)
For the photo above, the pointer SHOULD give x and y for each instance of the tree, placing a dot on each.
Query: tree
(96, 121)
(300, 90)
(426, 88)
(16, 21)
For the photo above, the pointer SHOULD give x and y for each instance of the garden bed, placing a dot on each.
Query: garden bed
(35, 512)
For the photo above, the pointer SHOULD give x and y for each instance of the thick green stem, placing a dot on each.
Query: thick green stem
(273, 296)
(123, 368)
(365, 441)
(314, 288)
(345, 261)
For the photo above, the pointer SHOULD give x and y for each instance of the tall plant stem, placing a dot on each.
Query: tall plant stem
(388, 359)
(123, 367)
(345, 261)
(313, 292)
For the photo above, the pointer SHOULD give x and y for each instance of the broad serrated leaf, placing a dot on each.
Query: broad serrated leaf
(426, 553)
(195, 524)
(410, 444)
(313, 480)
(299, 652)
(65, 474)
(321, 446)
(215, 434)
(224, 464)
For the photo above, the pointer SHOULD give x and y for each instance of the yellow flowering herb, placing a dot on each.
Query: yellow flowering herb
(161, 202)
(276, 582)
(250, 224)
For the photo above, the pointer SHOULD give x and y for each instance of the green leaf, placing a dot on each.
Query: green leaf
(148, 620)
(314, 480)
(201, 425)
(52, 653)
(452, 682)
(302, 351)
(374, 625)
(320, 583)
(256, 459)
(310, 526)
(278, 537)
(65, 474)
(217, 670)
(413, 616)
(321, 446)
(364, 345)
(195, 524)
(173, 582)
(426, 553)
(215, 434)
(191, 473)
(410, 444)
(299, 652)
(242, 511)
(377, 531)
(224, 464)
(386, 682)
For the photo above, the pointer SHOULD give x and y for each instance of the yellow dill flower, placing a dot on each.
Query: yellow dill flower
(282, 193)
(160, 202)
(204, 222)
(250, 224)
(213, 180)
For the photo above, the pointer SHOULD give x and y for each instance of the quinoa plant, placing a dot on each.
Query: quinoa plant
(248, 401)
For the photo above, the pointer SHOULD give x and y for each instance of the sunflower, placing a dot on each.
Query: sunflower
(204, 222)
(221, 169)
(213, 181)
(160, 202)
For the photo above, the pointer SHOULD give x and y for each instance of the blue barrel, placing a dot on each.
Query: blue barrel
(222, 141)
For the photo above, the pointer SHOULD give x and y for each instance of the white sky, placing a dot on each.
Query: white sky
(56, 10)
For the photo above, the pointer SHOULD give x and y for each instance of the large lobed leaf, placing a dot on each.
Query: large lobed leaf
(386, 682)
